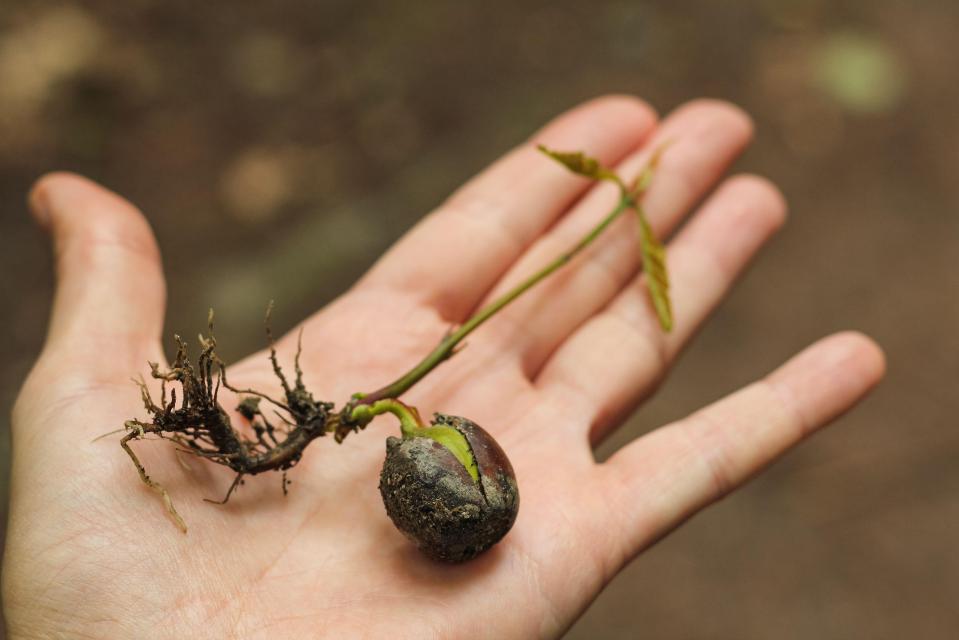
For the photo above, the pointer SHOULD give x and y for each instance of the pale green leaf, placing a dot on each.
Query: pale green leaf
(645, 177)
(581, 164)
(654, 265)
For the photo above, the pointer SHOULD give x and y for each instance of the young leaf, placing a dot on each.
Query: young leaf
(645, 177)
(581, 164)
(654, 264)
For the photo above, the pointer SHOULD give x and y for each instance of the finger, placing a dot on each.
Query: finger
(705, 137)
(664, 477)
(457, 253)
(110, 293)
(616, 358)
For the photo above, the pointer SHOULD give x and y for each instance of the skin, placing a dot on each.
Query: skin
(91, 553)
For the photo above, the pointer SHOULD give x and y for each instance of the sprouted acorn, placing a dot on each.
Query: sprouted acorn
(448, 486)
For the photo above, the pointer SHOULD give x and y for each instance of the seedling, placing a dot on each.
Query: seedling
(448, 485)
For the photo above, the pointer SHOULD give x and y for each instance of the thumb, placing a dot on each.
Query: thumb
(110, 292)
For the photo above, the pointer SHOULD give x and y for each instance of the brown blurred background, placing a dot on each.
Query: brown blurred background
(277, 148)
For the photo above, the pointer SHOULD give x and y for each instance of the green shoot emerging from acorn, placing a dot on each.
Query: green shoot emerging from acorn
(447, 485)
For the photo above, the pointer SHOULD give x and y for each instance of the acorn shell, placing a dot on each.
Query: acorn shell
(430, 496)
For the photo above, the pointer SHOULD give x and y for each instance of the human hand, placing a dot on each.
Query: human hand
(90, 551)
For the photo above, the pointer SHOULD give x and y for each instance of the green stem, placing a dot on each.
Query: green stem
(448, 345)
(411, 425)
(410, 421)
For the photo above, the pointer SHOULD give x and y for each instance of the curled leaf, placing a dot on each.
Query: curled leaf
(581, 164)
(654, 264)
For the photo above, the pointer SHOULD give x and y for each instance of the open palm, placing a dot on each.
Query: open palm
(90, 550)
